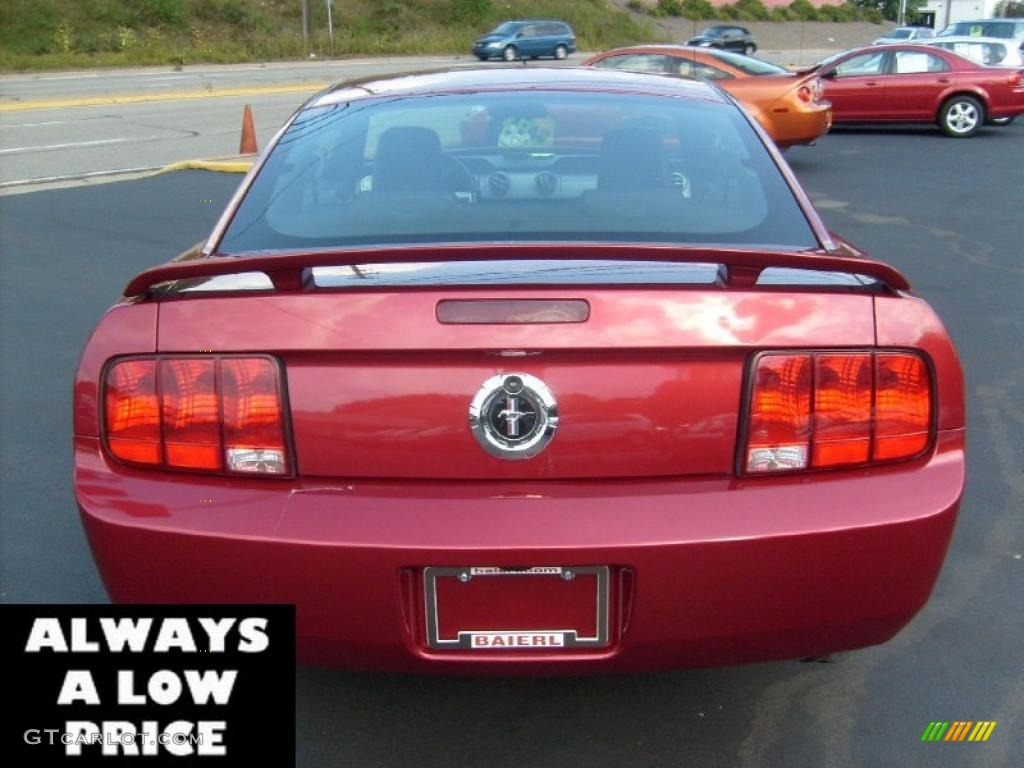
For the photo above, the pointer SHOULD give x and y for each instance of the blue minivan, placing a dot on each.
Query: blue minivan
(526, 39)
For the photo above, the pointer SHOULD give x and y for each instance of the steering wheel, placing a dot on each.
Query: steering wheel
(459, 180)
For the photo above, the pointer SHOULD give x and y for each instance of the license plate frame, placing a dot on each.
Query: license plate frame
(568, 638)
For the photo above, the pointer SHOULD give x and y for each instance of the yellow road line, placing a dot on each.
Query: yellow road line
(133, 98)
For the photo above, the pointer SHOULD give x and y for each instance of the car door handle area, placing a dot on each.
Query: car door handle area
(943, 80)
(871, 83)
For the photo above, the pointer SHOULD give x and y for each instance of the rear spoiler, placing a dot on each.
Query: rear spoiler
(287, 270)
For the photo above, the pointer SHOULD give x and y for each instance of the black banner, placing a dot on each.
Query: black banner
(155, 685)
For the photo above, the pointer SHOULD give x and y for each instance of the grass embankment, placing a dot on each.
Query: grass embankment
(56, 34)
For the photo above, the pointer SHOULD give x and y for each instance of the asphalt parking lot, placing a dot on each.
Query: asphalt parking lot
(950, 213)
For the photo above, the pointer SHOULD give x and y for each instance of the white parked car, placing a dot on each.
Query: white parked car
(993, 51)
(906, 35)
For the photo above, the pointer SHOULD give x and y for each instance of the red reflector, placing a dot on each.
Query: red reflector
(866, 407)
(805, 93)
(132, 411)
(191, 413)
(779, 427)
(902, 405)
(842, 409)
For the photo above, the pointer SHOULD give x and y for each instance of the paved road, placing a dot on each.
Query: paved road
(66, 126)
(958, 236)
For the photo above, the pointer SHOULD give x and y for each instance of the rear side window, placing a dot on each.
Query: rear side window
(747, 64)
(985, 53)
(635, 62)
(534, 166)
(915, 62)
(691, 68)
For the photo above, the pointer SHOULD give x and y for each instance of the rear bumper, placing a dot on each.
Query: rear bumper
(802, 125)
(704, 571)
(1010, 109)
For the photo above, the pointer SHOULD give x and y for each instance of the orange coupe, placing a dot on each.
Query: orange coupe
(790, 107)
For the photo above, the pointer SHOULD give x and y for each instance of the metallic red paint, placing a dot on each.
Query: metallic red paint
(719, 570)
(707, 567)
(918, 97)
(670, 365)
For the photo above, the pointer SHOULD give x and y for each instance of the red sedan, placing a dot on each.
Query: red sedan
(515, 371)
(916, 83)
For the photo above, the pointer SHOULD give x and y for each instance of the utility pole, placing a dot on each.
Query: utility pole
(305, 23)
(903, 13)
(330, 24)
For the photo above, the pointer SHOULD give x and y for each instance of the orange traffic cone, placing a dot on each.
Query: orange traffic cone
(248, 144)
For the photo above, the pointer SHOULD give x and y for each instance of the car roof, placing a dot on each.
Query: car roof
(912, 45)
(518, 78)
(985, 21)
(969, 39)
(673, 47)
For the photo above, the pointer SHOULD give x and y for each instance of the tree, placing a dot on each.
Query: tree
(890, 9)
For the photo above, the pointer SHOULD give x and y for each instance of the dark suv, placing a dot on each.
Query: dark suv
(526, 39)
(727, 37)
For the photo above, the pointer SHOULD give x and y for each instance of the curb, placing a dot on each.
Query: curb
(239, 164)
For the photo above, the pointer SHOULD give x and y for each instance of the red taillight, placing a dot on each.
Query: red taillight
(805, 94)
(815, 410)
(133, 412)
(253, 419)
(212, 413)
(903, 407)
(191, 413)
(842, 410)
(1016, 78)
(780, 408)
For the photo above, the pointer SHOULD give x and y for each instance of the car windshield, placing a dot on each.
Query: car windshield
(747, 64)
(1003, 29)
(712, 32)
(505, 29)
(514, 166)
(899, 34)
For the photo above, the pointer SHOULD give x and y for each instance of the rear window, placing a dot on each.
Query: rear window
(536, 166)
(985, 53)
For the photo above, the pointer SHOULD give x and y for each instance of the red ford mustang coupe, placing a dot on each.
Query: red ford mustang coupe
(525, 371)
(922, 84)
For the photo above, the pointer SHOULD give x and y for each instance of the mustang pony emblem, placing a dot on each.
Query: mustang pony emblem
(513, 416)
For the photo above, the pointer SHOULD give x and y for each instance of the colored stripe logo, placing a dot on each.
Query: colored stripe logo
(958, 730)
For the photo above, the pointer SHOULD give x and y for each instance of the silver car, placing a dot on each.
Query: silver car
(905, 35)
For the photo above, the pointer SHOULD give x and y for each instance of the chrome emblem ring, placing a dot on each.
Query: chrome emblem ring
(513, 416)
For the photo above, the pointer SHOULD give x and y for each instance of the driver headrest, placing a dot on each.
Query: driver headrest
(409, 159)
